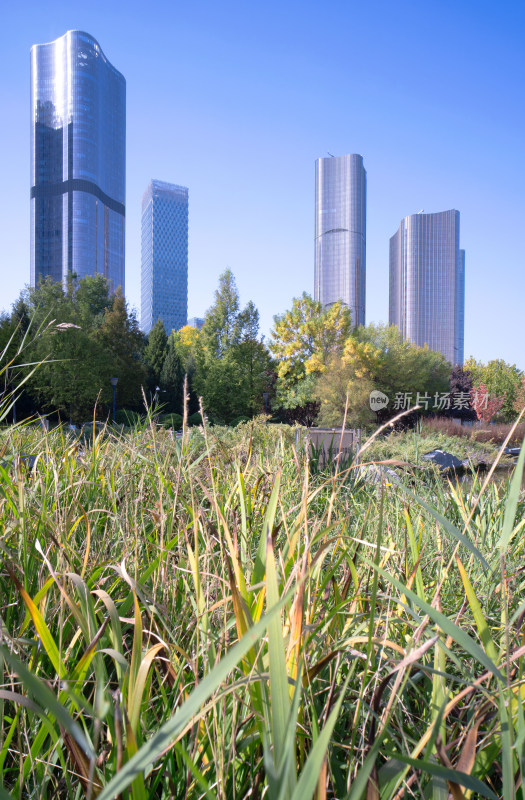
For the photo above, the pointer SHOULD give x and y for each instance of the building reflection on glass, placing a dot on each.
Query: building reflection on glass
(164, 264)
(427, 282)
(340, 233)
(78, 161)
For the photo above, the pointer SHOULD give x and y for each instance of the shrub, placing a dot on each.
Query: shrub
(171, 421)
(126, 417)
(195, 419)
(238, 420)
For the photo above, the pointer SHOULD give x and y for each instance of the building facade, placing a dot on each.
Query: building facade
(196, 322)
(427, 283)
(340, 233)
(164, 276)
(78, 161)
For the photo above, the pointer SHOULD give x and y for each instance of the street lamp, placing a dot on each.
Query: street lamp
(113, 382)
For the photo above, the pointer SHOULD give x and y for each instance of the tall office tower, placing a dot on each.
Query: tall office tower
(340, 233)
(427, 282)
(164, 284)
(78, 161)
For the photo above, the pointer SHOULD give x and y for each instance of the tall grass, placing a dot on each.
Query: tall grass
(207, 617)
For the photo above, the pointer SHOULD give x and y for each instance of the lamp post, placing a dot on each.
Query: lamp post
(113, 382)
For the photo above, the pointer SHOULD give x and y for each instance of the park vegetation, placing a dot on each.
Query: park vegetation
(315, 369)
(212, 615)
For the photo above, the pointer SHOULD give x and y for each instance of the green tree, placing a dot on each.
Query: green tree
(122, 343)
(220, 331)
(171, 380)
(304, 340)
(73, 373)
(231, 361)
(376, 357)
(500, 379)
(155, 353)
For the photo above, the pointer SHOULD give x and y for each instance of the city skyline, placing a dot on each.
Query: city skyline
(164, 256)
(427, 282)
(340, 233)
(78, 161)
(251, 96)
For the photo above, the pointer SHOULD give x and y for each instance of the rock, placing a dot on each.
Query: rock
(443, 460)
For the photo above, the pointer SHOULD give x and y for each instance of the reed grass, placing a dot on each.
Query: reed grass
(207, 617)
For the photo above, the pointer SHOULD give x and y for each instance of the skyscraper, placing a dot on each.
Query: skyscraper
(427, 282)
(78, 161)
(164, 284)
(340, 233)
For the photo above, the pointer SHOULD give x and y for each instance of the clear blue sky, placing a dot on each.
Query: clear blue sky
(236, 100)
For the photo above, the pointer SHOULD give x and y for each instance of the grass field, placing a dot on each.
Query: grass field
(208, 618)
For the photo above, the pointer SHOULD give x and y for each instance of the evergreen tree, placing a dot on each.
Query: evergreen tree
(172, 380)
(231, 362)
(155, 353)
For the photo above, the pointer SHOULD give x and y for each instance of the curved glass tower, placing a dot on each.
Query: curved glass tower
(340, 233)
(427, 282)
(78, 161)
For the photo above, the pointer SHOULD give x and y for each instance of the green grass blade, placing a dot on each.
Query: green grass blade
(47, 699)
(267, 528)
(309, 777)
(172, 729)
(462, 778)
(279, 693)
(512, 502)
(450, 628)
(449, 527)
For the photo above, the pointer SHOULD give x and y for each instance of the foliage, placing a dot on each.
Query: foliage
(172, 379)
(410, 445)
(171, 421)
(501, 380)
(87, 337)
(201, 617)
(460, 384)
(377, 357)
(484, 404)
(519, 399)
(304, 340)
(124, 416)
(155, 353)
(232, 365)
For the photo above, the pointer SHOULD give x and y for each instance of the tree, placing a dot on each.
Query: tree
(304, 340)
(187, 344)
(231, 363)
(519, 400)
(500, 378)
(172, 379)
(221, 324)
(74, 371)
(460, 384)
(122, 340)
(484, 404)
(155, 353)
(376, 357)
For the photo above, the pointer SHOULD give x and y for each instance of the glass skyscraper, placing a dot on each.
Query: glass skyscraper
(78, 161)
(164, 282)
(340, 233)
(427, 282)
